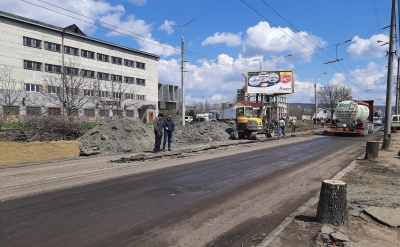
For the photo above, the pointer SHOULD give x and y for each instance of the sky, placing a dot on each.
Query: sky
(224, 39)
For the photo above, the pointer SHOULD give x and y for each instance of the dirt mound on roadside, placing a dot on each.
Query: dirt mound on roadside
(117, 135)
(201, 133)
(120, 135)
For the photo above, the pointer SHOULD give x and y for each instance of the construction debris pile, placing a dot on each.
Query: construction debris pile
(121, 135)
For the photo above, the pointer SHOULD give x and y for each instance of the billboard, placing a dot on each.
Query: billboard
(270, 82)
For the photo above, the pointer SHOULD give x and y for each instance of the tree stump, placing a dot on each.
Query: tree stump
(332, 206)
(372, 150)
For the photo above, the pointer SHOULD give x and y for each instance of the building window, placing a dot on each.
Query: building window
(11, 110)
(117, 95)
(52, 68)
(140, 65)
(116, 60)
(32, 42)
(140, 97)
(103, 76)
(103, 113)
(128, 95)
(129, 80)
(88, 73)
(117, 78)
(32, 65)
(71, 71)
(129, 113)
(71, 50)
(53, 89)
(33, 110)
(117, 113)
(103, 94)
(52, 46)
(72, 91)
(89, 112)
(87, 54)
(129, 63)
(140, 81)
(54, 111)
(32, 88)
(102, 57)
(88, 92)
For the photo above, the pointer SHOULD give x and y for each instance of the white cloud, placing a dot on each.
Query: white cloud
(263, 38)
(138, 2)
(128, 26)
(230, 39)
(94, 9)
(368, 48)
(167, 27)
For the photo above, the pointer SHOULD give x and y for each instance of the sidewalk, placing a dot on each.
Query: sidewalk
(373, 200)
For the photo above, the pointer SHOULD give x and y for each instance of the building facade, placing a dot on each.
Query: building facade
(61, 71)
(169, 98)
(278, 102)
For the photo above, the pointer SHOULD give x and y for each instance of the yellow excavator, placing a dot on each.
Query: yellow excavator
(252, 125)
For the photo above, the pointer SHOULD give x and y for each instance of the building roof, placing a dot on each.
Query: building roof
(255, 105)
(73, 30)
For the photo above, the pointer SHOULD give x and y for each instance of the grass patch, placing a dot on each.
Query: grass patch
(90, 124)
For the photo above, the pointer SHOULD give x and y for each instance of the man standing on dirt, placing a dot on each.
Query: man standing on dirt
(169, 127)
(158, 132)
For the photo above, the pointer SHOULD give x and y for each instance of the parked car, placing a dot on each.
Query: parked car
(199, 119)
(188, 119)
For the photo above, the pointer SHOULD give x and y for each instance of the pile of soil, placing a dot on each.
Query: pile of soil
(121, 135)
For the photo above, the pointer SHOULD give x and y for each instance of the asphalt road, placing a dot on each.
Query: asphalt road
(127, 211)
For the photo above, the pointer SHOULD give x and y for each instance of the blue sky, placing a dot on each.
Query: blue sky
(227, 38)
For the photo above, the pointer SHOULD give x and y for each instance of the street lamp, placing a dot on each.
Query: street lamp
(315, 94)
(182, 72)
(259, 60)
(277, 67)
(206, 101)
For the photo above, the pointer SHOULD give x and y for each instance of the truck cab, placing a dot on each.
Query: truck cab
(395, 122)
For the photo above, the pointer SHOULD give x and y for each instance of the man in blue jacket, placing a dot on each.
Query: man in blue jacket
(169, 127)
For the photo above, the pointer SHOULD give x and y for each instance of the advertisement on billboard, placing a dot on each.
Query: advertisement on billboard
(270, 82)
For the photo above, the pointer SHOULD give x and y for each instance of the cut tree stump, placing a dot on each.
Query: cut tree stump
(371, 150)
(332, 206)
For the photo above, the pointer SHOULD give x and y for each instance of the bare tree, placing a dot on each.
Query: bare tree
(69, 89)
(116, 95)
(11, 94)
(328, 97)
(296, 111)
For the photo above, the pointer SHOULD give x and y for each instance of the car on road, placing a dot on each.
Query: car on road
(378, 121)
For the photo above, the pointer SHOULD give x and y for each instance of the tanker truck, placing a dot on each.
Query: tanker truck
(353, 117)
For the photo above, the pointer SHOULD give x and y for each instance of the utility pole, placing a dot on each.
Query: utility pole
(388, 109)
(397, 86)
(315, 95)
(182, 73)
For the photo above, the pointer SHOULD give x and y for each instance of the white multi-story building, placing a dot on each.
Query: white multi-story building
(85, 76)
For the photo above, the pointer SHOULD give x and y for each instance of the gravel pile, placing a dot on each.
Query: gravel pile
(121, 135)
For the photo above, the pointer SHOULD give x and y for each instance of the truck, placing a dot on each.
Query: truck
(228, 114)
(249, 124)
(353, 117)
(205, 116)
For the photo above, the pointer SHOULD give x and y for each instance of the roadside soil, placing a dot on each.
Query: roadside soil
(20, 152)
(372, 185)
